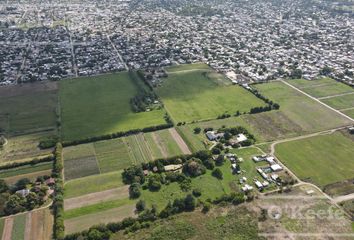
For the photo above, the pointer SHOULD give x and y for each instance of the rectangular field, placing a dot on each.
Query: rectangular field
(39, 225)
(28, 108)
(94, 183)
(197, 94)
(323, 159)
(340, 102)
(94, 106)
(18, 230)
(301, 111)
(321, 87)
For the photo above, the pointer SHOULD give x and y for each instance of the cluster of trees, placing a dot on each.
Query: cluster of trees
(48, 142)
(58, 201)
(142, 101)
(229, 133)
(32, 162)
(12, 202)
(271, 105)
(119, 134)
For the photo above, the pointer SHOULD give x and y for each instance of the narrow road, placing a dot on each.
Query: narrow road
(343, 198)
(118, 54)
(337, 95)
(315, 99)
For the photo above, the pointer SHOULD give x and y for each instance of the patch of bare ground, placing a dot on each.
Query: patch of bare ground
(12, 91)
(28, 226)
(159, 144)
(41, 223)
(180, 142)
(93, 198)
(7, 233)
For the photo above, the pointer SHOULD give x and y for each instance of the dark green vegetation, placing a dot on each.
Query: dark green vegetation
(95, 106)
(199, 94)
(323, 159)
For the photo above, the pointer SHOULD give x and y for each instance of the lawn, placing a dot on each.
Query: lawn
(18, 230)
(91, 184)
(341, 102)
(196, 94)
(94, 106)
(322, 159)
(349, 113)
(301, 112)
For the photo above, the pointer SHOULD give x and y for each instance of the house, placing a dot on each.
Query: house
(241, 138)
(247, 188)
(276, 167)
(23, 192)
(173, 167)
(235, 168)
(213, 136)
(50, 181)
(260, 171)
(258, 184)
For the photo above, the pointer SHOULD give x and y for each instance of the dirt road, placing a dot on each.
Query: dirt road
(180, 142)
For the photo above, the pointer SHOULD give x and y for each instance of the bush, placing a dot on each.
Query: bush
(140, 206)
(189, 202)
(220, 160)
(134, 190)
(197, 130)
(186, 185)
(197, 192)
(194, 167)
(206, 207)
(217, 173)
(209, 164)
(133, 174)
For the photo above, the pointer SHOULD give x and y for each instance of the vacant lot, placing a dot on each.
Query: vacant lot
(340, 102)
(91, 184)
(301, 111)
(191, 95)
(94, 106)
(322, 87)
(28, 108)
(220, 223)
(322, 159)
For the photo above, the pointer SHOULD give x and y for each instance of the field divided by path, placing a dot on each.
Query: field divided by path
(114, 155)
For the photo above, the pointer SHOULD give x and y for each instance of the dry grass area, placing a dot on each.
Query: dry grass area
(97, 197)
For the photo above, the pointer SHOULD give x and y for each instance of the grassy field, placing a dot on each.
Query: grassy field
(41, 225)
(2, 222)
(18, 230)
(322, 159)
(24, 147)
(340, 102)
(321, 87)
(91, 184)
(301, 112)
(25, 170)
(117, 154)
(219, 223)
(349, 113)
(204, 98)
(93, 106)
(27, 109)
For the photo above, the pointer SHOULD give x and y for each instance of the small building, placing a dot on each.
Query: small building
(276, 167)
(247, 188)
(23, 192)
(173, 167)
(258, 184)
(213, 136)
(241, 138)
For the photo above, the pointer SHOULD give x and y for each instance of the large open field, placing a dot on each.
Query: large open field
(322, 87)
(28, 108)
(304, 113)
(117, 154)
(321, 159)
(198, 94)
(94, 106)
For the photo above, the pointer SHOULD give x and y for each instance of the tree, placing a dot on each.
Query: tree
(197, 130)
(22, 183)
(296, 73)
(197, 192)
(154, 182)
(94, 234)
(220, 160)
(133, 174)
(140, 205)
(3, 186)
(325, 71)
(134, 190)
(217, 173)
(15, 204)
(2, 140)
(209, 164)
(32, 201)
(194, 167)
(189, 202)
(206, 207)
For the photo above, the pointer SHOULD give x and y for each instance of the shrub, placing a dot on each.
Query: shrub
(134, 190)
(197, 130)
(140, 205)
(217, 173)
(197, 192)
(194, 167)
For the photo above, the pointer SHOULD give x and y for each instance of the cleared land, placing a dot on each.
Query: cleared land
(300, 110)
(220, 223)
(91, 184)
(117, 154)
(8, 226)
(197, 94)
(341, 102)
(322, 159)
(112, 215)
(94, 106)
(322, 87)
(39, 225)
(18, 230)
(24, 147)
(97, 197)
(28, 108)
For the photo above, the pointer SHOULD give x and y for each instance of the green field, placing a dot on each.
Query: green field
(349, 113)
(18, 230)
(91, 184)
(28, 112)
(2, 223)
(94, 106)
(25, 169)
(340, 102)
(197, 94)
(322, 159)
(321, 87)
(301, 112)
(220, 223)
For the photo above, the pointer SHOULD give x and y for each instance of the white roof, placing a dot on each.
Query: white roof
(241, 137)
(276, 167)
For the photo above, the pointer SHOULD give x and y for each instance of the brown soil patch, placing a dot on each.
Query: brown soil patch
(159, 144)
(181, 144)
(11, 91)
(9, 223)
(28, 226)
(41, 225)
(93, 198)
